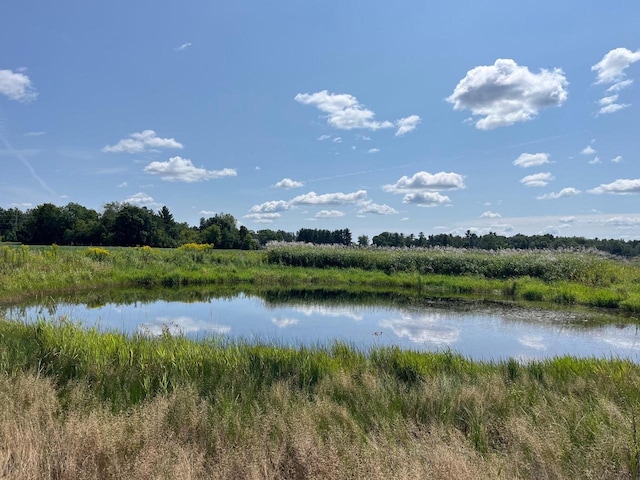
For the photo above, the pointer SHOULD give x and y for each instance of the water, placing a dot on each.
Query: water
(476, 331)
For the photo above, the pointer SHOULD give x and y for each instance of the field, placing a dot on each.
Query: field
(76, 403)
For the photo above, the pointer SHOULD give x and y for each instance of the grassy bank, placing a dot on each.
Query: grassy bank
(567, 278)
(77, 403)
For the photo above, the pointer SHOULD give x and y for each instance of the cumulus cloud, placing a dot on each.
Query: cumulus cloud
(407, 124)
(329, 214)
(531, 160)
(345, 112)
(287, 183)
(565, 192)
(505, 93)
(373, 150)
(622, 186)
(426, 199)
(273, 206)
(611, 68)
(490, 214)
(178, 169)
(324, 137)
(588, 150)
(312, 198)
(17, 86)
(141, 199)
(263, 217)
(537, 179)
(617, 159)
(595, 160)
(426, 181)
(141, 142)
(370, 207)
(337, 140)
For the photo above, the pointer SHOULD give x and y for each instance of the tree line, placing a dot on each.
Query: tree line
(123, 224)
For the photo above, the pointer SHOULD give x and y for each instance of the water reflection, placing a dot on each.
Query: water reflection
(363, 319)
(181, 325)
(425, 328)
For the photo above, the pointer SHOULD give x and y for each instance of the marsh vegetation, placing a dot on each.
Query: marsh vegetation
(81, 403)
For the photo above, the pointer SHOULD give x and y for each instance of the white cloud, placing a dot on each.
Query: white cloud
(490, 214)
(324, 137)
(329, 214)
(612, 66)
(407, 124)
(370, 207)
(288, 183)
(608, 105)
(612, 108)
(141, 199)
(565, 192)
(373, 150)
(531, 160)
(17, 86)
(273, 206)
(337, 140)
(608, 100)
(427, 181)
(588, 150)
(312, 198)
(178, 169)
(622, 186)
(617, 159)
(140, 142)
(184, 46)
(594, 160)
(616, 87)
(537, 179)
(34, 134)
(505, 93)
(346, 113)
(263, 217)
(426, 199)
(122, 185)
(623, 221)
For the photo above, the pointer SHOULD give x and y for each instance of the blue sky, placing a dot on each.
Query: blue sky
(511, 117)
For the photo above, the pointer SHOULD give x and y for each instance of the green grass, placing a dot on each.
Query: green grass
(80, 403)
(557, 418)
(567, 278)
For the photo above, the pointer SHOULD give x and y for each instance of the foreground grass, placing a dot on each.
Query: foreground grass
(566, 278)
(76, 403)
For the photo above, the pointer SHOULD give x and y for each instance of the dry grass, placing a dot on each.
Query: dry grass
(182, 436)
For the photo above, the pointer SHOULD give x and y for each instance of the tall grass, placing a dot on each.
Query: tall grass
(75, 403)
(557, 277)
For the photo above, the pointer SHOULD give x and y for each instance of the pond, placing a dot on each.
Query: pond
(476, 330)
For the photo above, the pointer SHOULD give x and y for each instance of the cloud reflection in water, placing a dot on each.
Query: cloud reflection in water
(181, 325)
(423, 329)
